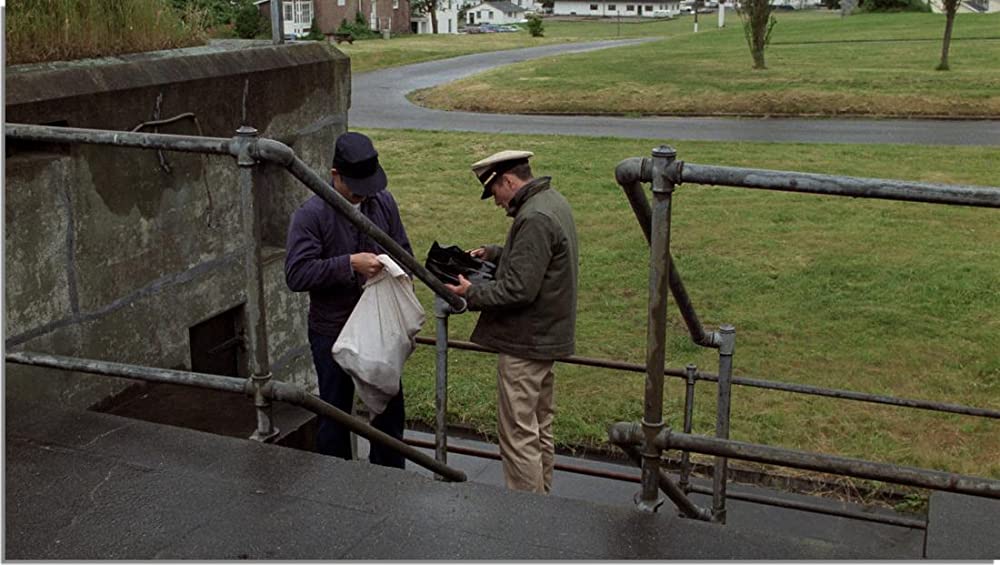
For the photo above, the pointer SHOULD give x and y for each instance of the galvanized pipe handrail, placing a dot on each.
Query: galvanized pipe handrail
(835, 185)
(138, 140)
(241, 148)
(630, 433)
(274, 390)
(629, 174)
(667, 485)
(744, 381)
(128, 371)
(748, 497)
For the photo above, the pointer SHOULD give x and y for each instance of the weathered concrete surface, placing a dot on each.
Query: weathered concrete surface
(115, 253)
(85, 485)
(963, 527)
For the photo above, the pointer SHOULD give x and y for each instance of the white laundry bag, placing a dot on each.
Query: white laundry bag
(380, 335)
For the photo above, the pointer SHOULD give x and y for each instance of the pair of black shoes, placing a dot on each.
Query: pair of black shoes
(446, 263)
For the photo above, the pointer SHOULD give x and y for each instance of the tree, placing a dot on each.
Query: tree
(535, 26)
(426, 7)
(950, 7)
(249, 22)
(758, 22)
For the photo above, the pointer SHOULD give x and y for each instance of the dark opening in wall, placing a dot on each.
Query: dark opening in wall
(217, 345)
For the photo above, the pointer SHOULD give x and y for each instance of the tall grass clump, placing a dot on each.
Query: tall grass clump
(58, 30)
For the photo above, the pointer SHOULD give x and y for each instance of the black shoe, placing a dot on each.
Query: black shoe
(448, 262)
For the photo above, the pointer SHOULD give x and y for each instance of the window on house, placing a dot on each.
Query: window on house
(649, 7)
(593, 6)
(306, 13)
(341, 2)
(491, 15)
(612, 7)
(395, 4)
(630, 7)
(289, 11)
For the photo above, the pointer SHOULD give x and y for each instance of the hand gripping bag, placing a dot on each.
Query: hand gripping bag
(380, 335)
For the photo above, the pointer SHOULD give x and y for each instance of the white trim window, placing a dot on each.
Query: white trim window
(395, 4)
(289, 11)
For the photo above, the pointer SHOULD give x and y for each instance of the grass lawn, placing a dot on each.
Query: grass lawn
(868, 295)
(818, 64)
(376, 54)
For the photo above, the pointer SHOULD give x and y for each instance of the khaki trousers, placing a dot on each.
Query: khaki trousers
(524, 421)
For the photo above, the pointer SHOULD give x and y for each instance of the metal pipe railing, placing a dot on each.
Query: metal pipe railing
(674, 492)
(835, 185)
(656, 329)
(630, 173)
(689, 372)
(256, 310)
(441, 381)
(724, 398)
(630, 433)
(273, 390)
(747, 497)
(755, 383)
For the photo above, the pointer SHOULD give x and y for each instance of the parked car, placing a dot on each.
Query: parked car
(508, 28)
(489, 28)
(473, 29)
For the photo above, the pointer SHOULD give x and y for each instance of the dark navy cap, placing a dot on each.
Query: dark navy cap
(356, 161)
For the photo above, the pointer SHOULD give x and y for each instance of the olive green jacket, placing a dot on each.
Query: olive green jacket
(529, 309)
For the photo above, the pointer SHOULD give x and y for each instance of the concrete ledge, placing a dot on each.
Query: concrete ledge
(963, 527)
(65, 79)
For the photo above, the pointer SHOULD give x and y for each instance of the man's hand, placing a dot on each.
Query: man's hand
(366, 264)
(461, 288)
(478, 253)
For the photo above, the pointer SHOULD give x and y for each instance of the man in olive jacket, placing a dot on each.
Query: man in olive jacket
(528, 311)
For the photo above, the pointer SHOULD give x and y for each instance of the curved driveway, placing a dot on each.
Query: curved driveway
(379, 101)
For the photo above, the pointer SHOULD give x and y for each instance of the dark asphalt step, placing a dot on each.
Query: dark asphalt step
(87, 485)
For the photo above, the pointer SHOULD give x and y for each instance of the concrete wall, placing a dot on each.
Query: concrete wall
(113, 253)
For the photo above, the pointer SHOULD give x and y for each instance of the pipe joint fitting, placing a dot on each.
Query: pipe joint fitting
(243, 145)
(727, 339)
(634, 169)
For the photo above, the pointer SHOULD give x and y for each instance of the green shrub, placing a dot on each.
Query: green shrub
(314, 33)
(251, 23)
(358, 28)
(535, 26)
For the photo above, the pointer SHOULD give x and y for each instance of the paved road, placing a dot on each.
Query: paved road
(379, 100)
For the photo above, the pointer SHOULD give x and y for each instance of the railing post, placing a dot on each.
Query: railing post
(441, 311)
(727, 334)
(690, 374)
(656, 333)
(256, 314)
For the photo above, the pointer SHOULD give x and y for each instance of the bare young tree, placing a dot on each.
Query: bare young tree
(757, 25)
(950, 7)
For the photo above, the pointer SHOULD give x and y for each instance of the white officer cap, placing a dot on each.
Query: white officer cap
(489, 169)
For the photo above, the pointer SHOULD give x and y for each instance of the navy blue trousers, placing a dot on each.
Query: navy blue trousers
(337, 388)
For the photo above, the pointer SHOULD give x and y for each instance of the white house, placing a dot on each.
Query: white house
(447, 18)
(495, 12)
(608, 8)
(297, 15)
(969, 6)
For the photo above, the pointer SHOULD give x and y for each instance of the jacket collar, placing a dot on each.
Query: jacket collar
(530, 189)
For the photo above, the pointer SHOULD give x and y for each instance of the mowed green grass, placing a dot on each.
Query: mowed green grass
(818, 64)
(377, 54)
(876, 296)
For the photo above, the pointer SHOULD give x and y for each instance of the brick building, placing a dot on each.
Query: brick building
(393, 15)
